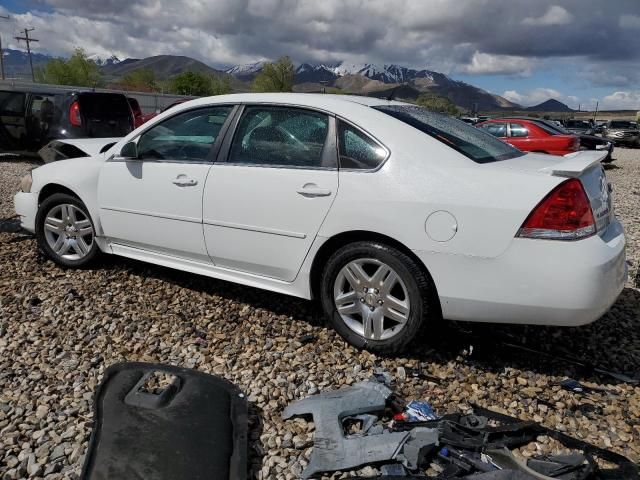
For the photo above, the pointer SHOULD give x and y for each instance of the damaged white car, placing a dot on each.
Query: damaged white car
(391, 215)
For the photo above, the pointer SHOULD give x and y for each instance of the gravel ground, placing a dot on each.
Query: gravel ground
(59, 330)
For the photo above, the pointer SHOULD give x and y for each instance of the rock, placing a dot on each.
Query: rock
(54, 351)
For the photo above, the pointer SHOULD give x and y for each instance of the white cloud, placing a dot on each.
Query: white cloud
(485, 63)
(621, 101)
(539, 95)
(437, 35)
(629, 21)
(555, 15)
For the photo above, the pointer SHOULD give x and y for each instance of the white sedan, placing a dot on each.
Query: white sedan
(391, 215)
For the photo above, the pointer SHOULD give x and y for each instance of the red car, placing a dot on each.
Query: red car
(137, 112)
(530, 136)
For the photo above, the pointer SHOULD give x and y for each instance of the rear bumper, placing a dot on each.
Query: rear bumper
(541, 282)
(26, 205)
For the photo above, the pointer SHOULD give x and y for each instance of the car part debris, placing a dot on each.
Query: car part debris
(164, 422)
(474, 446)
(623, 377)
(576, 387)
(333, 451)
(420, 411)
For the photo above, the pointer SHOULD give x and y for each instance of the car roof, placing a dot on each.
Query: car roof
(326, 101)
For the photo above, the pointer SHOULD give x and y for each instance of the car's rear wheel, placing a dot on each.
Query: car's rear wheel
(65, 231)
(376, 296)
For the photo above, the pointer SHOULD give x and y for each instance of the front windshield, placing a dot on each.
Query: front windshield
(479, 146)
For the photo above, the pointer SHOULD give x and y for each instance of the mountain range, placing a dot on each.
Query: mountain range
(379, 80)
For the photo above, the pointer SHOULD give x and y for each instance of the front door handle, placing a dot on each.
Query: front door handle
(312, 190)
(183, 181)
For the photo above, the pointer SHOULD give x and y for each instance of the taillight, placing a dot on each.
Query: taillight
(74, 114)
(564, 214)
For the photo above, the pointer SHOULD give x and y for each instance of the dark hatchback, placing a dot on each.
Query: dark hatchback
(30, 119)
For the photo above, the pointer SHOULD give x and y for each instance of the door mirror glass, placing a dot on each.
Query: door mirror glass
(130, 150)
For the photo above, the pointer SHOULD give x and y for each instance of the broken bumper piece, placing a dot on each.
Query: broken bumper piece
(334, 451)
(475, 446)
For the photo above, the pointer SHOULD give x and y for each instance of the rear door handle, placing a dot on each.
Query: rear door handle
(183, 181)
(312, 190)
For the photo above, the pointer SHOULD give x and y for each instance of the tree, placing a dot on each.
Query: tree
(78, 71)
(142, 80)
(437, 103)
(199, 84)
(275, 77)
(220, 85)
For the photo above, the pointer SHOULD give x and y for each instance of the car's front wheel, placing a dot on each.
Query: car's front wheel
(376, 296)
(65, 231)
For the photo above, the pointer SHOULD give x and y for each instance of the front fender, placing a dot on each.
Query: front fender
(79, 175)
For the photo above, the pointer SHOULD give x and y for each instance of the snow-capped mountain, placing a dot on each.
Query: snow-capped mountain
(16, 63)
(246, 71)
(382, 80)
(312, 72)
(102, 61)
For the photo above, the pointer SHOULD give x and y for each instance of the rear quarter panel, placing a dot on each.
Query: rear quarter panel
(423, 176)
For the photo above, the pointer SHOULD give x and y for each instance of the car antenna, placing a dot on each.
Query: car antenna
(393, 92)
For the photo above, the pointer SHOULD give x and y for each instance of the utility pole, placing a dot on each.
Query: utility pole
(27, 39)
(1, 52)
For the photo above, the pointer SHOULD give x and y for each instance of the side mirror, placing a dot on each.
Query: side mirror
(130, 150)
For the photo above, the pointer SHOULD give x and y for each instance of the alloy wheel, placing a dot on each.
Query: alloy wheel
(371, 299)
(68, 231)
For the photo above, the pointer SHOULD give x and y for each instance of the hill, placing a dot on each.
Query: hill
(550, 105)
(163, 66)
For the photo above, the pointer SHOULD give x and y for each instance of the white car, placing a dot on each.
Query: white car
(391, 215)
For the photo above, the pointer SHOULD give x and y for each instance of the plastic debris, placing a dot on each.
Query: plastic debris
(419, 411)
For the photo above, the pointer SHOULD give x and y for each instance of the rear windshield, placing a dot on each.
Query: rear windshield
(104, 105)
(479, 146)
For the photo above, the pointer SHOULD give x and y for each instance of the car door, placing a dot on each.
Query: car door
(154, 201)
(265, 201)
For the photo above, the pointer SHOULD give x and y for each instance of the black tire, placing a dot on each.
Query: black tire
(45, 207)
(419, 286)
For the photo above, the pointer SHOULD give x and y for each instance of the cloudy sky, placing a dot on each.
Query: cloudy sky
(577, 51)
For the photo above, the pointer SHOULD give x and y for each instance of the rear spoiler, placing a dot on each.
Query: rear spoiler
(576, 163)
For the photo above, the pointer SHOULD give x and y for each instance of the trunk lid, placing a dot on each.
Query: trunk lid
(584, 165)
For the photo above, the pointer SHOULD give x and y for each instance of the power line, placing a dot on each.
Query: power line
(28, 40)
(7, 17)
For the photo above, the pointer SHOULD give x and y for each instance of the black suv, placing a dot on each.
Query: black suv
(30, 119)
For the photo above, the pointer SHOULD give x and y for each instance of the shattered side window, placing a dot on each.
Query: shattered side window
(280, 137)
(357, 150)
